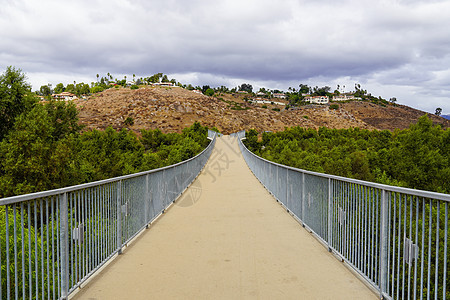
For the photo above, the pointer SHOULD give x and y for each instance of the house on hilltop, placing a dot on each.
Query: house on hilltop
(166, 84)
(345, 97)
(279, 96)
(64, 96)
(317, 99)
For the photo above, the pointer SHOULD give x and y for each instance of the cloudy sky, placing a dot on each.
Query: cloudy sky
(393, 48)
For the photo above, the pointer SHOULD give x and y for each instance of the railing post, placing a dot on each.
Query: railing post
(277, 187)
(330, 214)
(164, 190)
(119, 216)
(146, 201)
(64, 245)
(287, 189)
(303, 199)
(383, 243)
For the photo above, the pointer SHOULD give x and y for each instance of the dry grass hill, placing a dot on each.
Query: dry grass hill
(172, 109)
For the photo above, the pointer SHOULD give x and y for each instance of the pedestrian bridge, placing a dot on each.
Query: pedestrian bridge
(225, 225)
(226, 238)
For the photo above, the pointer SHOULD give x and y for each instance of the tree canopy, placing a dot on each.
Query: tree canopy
(15, 98)
(418, 157)
(246, 87)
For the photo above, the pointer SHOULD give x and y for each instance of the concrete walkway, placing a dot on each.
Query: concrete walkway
(226, 238)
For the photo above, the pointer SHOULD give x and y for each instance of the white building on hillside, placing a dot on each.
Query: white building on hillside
(66, 96)
(166, 84)
(317, 99)
(279, 96)
(345, 97)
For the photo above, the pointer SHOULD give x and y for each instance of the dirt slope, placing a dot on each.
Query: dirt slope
(171, 109)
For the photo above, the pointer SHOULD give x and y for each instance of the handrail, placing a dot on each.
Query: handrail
(395, 238)
(19, 198)
(55, 240)
(391, 188)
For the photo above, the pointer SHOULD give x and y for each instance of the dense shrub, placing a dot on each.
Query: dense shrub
(334, 106)
(129, 121)
(418, 157)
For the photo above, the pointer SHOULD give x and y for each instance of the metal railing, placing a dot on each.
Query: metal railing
(53, 241)
(212, 134)
(395, 238)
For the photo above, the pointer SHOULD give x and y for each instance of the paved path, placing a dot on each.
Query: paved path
(226, 238)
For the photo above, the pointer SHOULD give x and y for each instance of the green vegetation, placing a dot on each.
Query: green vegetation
(129, 121)
(334, 106)
(209, 92)
(29, 239)
(234, 105)
(296, 96)
(15, 98)
(42, 146)
(418, 157)
(245, 87)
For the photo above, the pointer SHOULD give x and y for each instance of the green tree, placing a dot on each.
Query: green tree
(165, 79)
(59, 88)
(82, 89)
(25, 153)
(45, 90)
(15, 98)
(204, 88)
(96, 89)
(246, 87)
(323, 91)
(304, 89)
(154, 78)
(38, 154)
(70, 88)
(209, 92)
(251, 137)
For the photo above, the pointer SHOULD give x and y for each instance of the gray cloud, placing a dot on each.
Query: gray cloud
(401, 45)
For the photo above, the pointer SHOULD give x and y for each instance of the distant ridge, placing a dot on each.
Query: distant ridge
(171, 109)
(446, 116)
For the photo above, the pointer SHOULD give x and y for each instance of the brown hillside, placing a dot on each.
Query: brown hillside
(389, 117)
(172, 109)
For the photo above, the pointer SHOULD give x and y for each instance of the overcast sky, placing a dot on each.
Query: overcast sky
(393, 48)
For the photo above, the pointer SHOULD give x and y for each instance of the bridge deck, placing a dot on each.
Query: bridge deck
(226, 238)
